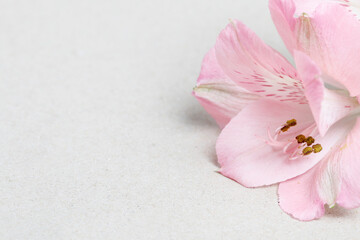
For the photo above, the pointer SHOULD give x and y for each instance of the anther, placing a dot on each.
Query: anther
(317, 148)
(307, 150)
(285, 128)
(288, 125)
(310, 140)
(301, 138)
(291, 123)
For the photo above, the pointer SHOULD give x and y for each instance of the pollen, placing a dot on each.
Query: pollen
(310, 140)
(285, 128)
(317, 148)
(291, 123)
(301, 138)
(288, 125)
(307, 150)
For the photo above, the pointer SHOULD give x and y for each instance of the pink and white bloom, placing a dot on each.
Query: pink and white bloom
(259, 146)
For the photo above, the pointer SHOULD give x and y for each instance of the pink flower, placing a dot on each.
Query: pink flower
(297, 128)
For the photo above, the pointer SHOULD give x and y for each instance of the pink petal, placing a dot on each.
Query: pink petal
(307, 6)
(285, 14)
(349, 196)
(253, 65)
(304, 197)
(325, 35)
(245, 155)
(282, 13)
(353, 7)
(218, 94)
(328, 106)
(299, 198)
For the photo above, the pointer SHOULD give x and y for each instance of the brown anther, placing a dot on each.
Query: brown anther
(291, 122)
(310, 140)
(285, 128)
(317, 148)
(307, 150)
(301, 138)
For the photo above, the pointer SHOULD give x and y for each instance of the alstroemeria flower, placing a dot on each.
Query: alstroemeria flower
(300, 127)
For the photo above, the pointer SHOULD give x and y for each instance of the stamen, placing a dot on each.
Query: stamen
(285, 128)
(288, 125)
(273, 140)
(298, 147)
(291, 123)
(287, 147)
(317, 148)
(310, 140)
(295, 155)
(300, 138)
(307, 150)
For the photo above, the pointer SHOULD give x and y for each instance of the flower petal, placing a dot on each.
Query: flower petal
(285, 15)
(253, 65)
(243, 151)
(299, 197)
(304, 197)
(328, 106)
(282, 13)
(218, 94)
(309, 6)
(325, 35)
(349, 196)
(353, 6)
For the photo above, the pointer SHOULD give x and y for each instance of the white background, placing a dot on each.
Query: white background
(100, 137)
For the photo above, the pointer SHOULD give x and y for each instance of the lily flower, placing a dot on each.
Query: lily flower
(300, 127)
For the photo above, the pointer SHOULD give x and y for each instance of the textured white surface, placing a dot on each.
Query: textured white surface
(101, 139)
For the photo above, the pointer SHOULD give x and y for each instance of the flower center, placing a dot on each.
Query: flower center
(298, 145)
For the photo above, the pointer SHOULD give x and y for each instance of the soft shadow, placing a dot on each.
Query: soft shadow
(213, 158)
(196, 115)
(338, 211)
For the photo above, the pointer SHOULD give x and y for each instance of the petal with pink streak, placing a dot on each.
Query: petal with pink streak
(304, 197)
(328, 106)
(218, 94)
(243, 150)
(353, 6)
(325, 34)
(255, 66)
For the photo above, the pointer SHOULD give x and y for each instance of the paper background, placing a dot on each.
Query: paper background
(100, 137)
